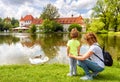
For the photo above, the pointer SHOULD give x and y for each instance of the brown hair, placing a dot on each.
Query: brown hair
(90, 38)
(74, 33)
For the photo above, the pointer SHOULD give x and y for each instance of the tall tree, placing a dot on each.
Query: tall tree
(114, 10)
(50, 12)
(108, 11)
(100, 11)
(14, 22)
(96, 26)
(0, 19)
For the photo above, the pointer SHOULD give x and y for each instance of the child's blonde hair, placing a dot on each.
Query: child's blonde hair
(74, 33)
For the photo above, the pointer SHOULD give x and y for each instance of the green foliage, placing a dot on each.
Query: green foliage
(0, 19)
(119, 22)
(4, 26)
(96, 26)
(32, 28)
(47, 25)
(14, 22)
(79, 28)
(51, 26)
(1, 26)
(108, 11)
(56, 26)
(87, 22)
(50, 12)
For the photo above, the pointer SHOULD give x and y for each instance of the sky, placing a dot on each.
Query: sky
(21, 8)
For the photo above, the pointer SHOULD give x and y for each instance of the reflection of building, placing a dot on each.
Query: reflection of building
(29, 19)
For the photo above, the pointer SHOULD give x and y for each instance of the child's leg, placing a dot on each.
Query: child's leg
(71, 65)
(74, 66)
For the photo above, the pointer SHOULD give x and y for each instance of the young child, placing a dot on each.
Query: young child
(73, 48)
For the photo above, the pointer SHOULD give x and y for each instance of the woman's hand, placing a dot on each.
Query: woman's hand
(69, 55)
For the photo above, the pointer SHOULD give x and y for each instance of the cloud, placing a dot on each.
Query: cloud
(16, 2)
(18, 8)
(75, 7)
(88, 14)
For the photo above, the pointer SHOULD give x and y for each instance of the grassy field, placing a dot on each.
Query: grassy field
(52, 73)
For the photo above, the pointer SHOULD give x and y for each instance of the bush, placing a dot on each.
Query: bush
(79, 28)
(33, 29)
(51, 26)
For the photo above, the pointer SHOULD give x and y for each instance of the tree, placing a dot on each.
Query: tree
(100, 11)
(47, 25)
(108, 12)
(96, 26)
(14, 22)
(51, 26)
(87, 22)
(0, 19)
(79, 28)
(114, 10)
(56, 26)
(33, 28)
(50, 12)
(1, 26)
(7, 26)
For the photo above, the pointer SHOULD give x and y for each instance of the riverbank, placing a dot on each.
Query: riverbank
(114, 33)
(52, 73)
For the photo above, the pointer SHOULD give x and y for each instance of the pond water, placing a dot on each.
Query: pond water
(17, 48)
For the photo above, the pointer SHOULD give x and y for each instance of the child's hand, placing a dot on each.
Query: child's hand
(69, 55)
(79, 54)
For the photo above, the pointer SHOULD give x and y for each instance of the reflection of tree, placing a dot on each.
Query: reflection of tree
(9, 39)
(111, 44)
(33, 37)
(50, 43)
(117, 47)
(101, 39)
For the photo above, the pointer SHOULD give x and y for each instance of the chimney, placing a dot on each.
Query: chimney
(72, 15)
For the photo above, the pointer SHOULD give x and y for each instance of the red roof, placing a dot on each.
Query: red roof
(78, 20)
(27, 17)
(37, 21)
(70, 20)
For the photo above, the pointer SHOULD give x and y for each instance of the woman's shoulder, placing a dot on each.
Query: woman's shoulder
(95, 47)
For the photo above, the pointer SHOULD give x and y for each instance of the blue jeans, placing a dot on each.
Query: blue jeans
(88, 66)
(73, 65)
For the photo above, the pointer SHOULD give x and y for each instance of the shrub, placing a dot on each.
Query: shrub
(79, 28)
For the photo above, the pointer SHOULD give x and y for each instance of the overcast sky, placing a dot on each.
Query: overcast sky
(18, 8)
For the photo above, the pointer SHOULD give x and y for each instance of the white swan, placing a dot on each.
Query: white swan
(38, 60)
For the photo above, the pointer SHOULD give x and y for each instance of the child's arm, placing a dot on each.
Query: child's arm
(79, 48)
(68, 48)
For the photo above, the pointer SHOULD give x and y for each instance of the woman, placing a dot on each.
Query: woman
(88, 61)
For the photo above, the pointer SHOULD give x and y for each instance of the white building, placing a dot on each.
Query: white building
(66, 22)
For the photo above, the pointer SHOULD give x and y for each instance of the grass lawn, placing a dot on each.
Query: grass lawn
(52, 73)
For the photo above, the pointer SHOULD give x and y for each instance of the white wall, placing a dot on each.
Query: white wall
(65, 27)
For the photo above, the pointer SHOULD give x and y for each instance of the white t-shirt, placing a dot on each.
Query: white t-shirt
(98, 51)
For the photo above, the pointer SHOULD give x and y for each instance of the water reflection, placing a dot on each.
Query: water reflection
(17, 48)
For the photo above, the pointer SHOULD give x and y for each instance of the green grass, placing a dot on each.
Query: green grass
(52, 73)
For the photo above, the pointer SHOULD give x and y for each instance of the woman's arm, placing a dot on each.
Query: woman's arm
(82, 57)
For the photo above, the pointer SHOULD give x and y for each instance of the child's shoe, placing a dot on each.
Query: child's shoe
(69, 74)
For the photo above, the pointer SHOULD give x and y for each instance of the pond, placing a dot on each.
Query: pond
(18, 48)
